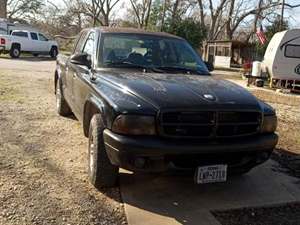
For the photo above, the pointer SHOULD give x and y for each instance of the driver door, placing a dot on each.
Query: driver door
(81, 75)
(43, 43)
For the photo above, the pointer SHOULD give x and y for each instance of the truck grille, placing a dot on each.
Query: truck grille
(209, 124)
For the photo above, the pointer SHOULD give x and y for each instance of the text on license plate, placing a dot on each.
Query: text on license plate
(211, 174)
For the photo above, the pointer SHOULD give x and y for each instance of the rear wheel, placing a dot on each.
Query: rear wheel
(62, 106)
(101, 172)
(15, 51)
(53, 52)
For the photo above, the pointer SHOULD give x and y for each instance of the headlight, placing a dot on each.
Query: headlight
(269, 124)
(134, 125)
(270, 119)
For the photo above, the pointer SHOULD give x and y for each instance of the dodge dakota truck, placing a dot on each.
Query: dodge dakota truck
(32, 42)
(148, 103)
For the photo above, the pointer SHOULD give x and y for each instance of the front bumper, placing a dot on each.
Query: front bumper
(157, 154)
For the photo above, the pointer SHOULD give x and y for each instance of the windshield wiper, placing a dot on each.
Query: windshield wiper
(133, 65)
(181, 69)
(125, 63)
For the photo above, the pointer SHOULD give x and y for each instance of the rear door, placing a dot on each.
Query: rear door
(69, 71)
(23, 39)
(81, 74)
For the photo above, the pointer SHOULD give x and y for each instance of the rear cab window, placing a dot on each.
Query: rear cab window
(20, 34)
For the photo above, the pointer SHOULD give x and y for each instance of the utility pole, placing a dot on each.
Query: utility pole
(282, 15)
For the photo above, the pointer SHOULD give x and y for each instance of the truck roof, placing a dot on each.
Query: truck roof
(134, 31)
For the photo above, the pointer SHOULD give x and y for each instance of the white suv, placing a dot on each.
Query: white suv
(28, 41)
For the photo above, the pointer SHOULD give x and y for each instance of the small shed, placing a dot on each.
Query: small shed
(227, 53)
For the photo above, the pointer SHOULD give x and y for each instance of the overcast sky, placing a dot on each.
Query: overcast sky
(292, 15)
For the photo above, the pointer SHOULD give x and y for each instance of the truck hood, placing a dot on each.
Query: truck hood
(167, 91)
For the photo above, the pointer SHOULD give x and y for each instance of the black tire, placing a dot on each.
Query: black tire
(15, 51)
(53, 52)
(102, 173)
(62, 106)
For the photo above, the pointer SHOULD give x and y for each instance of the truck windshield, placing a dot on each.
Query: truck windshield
(158, 53)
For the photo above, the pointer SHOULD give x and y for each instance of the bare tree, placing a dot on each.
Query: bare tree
(105, 7)
(18, 9)
(215, 17)
(142, 11)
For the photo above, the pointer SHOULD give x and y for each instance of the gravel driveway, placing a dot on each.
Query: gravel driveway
(43, 156)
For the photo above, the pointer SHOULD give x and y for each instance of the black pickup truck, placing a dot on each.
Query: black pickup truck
(147, 102)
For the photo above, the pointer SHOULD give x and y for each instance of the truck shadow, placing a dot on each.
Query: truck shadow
(177, 197)
(29, 58)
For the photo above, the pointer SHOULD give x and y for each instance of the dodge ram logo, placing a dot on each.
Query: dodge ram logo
(297, 69)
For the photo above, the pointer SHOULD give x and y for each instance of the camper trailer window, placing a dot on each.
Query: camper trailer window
(20, 34)
(292, 51)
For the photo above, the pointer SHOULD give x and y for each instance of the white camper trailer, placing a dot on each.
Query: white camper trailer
(6, 27)
(282, 59)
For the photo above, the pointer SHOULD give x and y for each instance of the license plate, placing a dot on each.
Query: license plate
(211, 174)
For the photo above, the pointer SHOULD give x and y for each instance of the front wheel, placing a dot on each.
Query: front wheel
(53, 52)
(100, 170)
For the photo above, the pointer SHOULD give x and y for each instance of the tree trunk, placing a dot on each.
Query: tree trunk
(174, 14)
(201, 12)
(228, 30)
(3, 9)
(148, 14)
(163, 16)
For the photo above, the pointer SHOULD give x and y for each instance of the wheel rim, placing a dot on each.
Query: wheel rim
(91, 155)
(16, 52)
(54, 53)
(58, 96)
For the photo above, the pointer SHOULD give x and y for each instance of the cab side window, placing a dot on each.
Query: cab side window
(89, 44)
(34, 36)
(79, 42)
(42, 37)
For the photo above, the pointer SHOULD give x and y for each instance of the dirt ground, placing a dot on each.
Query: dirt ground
(288, 112)
(43, 156)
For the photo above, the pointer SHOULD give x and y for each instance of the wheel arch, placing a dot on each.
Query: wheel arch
(92, 106)
(56, 77)
(16, 44)
(54, 46)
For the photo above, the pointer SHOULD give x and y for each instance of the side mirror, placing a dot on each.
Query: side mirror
(209, 66)
(82, 59)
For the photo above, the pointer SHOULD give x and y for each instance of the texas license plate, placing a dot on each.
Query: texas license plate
(211, 174)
